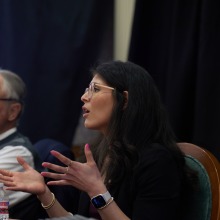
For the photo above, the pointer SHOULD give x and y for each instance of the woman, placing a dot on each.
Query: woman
(136, 171)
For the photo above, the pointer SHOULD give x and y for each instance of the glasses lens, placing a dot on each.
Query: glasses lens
(90, 91)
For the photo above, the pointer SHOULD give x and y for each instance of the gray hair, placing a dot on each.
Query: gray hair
(13, 85)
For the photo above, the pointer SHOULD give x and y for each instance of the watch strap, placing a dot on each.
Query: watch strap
(102, 200)
(106, 196)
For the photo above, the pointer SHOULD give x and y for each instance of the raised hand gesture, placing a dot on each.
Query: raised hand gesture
(28, 181)
(84, 176)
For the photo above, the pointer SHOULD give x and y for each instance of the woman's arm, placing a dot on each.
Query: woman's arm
(86, 177)
(157, 188)
(52, 206)
(31, 181)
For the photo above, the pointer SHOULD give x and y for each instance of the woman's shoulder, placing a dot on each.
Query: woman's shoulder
(154, 151)
(156, 156)
(157, 163)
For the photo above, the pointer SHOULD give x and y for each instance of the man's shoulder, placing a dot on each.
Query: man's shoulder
(15, 139)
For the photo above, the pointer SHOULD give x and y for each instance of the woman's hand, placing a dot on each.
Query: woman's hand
(28, 181)
(84, 176)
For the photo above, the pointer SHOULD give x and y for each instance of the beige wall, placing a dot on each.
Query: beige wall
(123, 21)
(123, 17)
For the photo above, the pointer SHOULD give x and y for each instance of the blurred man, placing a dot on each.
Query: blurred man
(13, 143)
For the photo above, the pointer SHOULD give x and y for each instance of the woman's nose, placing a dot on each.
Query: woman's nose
(84, 97)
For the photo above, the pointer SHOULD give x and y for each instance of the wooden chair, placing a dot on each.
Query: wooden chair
(205, 203)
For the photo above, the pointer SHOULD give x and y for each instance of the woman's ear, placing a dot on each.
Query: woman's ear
(125, 94)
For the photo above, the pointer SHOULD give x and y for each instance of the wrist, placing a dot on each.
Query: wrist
(101, 201)
(47, 199)
(97, 190)
(49, 205)
(45, 194)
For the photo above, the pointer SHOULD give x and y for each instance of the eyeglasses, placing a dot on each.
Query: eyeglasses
(9, 100)
(94, 88)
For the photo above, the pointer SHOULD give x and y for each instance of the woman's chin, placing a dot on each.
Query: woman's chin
(88, 126)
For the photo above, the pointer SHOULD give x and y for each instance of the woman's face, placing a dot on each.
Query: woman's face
(98, 104)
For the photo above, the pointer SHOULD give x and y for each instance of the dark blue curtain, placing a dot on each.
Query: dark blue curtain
(177, 41)
(52, 44)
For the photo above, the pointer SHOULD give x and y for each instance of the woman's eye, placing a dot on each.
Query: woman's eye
(96, 89)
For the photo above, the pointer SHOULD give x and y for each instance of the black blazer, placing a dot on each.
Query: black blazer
(152, 191)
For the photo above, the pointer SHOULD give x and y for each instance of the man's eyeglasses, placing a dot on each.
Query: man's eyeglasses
(95, 87)
(9, 100)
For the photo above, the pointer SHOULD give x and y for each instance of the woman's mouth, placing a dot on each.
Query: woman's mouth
(85, 112)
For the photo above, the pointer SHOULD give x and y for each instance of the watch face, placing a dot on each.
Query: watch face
(98, 201)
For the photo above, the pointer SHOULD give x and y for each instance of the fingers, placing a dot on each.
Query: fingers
(23, 163)
(6, 178)
(61, 158)
(57, 176)
(59, 183)
(5, 173)
(88, 153)
(70, 163)
(71, 168)
(54, 167)
(60, 169)
(9, 184)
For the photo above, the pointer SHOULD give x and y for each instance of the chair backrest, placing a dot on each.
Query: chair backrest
(204, 204)
(44, 146)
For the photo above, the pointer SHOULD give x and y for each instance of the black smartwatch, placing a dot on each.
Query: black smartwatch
(101, 200)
